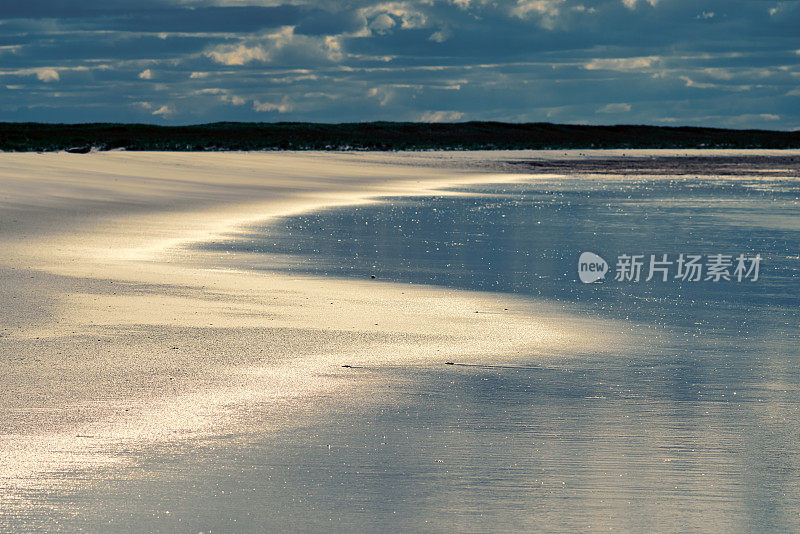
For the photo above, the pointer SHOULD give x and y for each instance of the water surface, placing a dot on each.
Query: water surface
(699, 432)
(697, 429)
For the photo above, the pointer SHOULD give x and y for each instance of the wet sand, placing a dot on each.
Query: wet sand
(121, 344)
(115, 335)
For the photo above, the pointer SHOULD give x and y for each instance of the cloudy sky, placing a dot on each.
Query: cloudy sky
(726, 63)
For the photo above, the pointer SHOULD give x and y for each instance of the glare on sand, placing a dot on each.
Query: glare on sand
(124, 338)
(140, 372)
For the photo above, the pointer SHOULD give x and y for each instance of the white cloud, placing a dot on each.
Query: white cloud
(164, 111)
(223, 94)
(196, 75)
(631, 4)
(699, 85)
(718, 73)
(11, 49)
(689, 82)
(441, 116)
(237, 54)
(294, 78)
(383, 17)
(233, 99)
(47, 75)
(543, 7)
(621, 107)
(387, 93)
(267, 47)
(440, 36)
(410, 16)
(770, 117)
(210, 91)
(547, 10)
(384, 94)
(622, 63)
(382, 23)
(146, 74)
(779, 8)
(284, 106)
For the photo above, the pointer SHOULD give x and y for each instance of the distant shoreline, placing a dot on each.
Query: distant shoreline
(224, 136)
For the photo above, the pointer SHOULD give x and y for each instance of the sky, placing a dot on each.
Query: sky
(721, 63)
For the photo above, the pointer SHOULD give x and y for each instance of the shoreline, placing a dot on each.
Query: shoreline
(118, 338)
(137, 341)
(131, 347)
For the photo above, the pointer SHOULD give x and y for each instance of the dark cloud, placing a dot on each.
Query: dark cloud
(714, 62)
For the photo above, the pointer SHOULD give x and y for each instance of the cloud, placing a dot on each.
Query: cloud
(631, 4)
(47, 75)
(146, 74)
(284, 106)
(223, 94)
(389, 93)
(621, 107)
(164, 111)
(384, 16)
(383, 94)
(232, 99)
(382, 23)
(10, 49)
(689, 82)
(440, 36)
(237, 54)
(622, 64)
(542, 7)
(283, 43)
(441, 116)
(516, 60)
(547, 11)
(210, 91)
(699, 85)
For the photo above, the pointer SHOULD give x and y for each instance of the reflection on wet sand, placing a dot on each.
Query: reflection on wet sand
(274, 384)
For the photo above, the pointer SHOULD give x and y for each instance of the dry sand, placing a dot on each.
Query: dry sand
(113, 333)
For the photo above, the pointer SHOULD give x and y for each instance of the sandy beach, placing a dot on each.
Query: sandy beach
(426, 267)
(114, 333)
(123, 343)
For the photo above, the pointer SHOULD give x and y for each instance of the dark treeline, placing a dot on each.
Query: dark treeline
(377, 136)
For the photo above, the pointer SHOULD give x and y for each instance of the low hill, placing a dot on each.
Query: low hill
(378, 136)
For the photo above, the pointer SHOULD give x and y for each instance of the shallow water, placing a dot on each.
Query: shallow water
(698, 432)
(695, 430)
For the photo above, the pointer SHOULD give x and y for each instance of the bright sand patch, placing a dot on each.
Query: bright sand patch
(114, 333)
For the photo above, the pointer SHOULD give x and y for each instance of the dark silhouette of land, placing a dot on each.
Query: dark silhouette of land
(376, 136)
